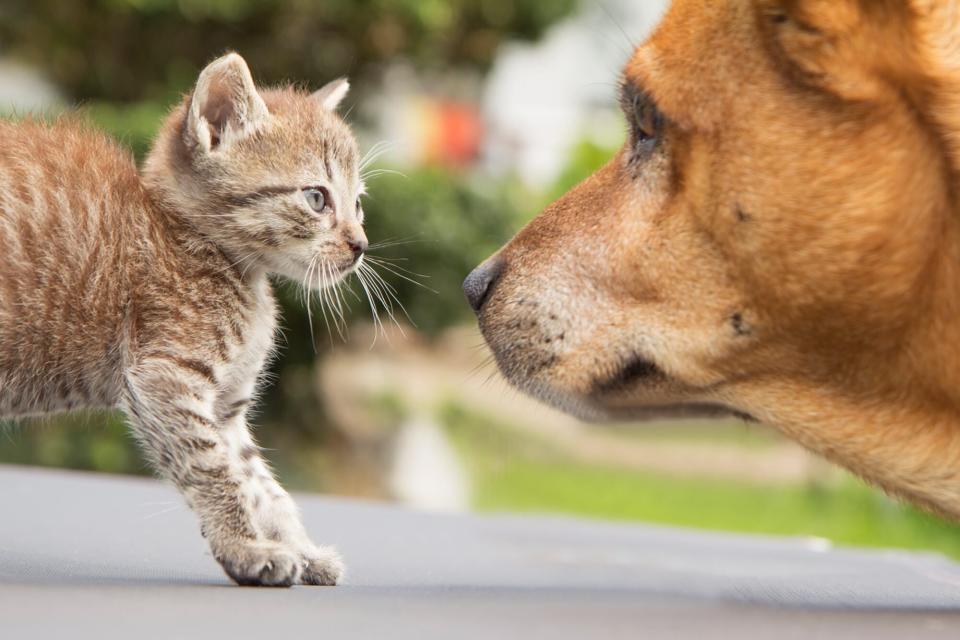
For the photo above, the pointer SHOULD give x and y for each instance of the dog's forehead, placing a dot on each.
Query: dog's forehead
(698, 59)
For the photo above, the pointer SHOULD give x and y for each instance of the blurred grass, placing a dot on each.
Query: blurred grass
(91, 441)
(521, 473)
(133, 124)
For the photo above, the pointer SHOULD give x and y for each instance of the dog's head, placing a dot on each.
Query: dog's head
(778, 223)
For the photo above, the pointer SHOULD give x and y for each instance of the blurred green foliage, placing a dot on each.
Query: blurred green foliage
(95, 441)
(443, 227)
(584, 159)
(128, 61)
(136, 50)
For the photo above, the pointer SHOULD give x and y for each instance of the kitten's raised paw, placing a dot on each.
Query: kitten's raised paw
(322, 566)
(258, 563)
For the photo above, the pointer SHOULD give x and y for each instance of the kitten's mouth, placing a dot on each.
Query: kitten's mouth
(337, 276)
(334, 271)
(352, 266)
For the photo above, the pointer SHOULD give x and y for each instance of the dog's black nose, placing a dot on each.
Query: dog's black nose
(478, 284)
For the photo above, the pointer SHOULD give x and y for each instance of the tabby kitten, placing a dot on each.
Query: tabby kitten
(149, 292)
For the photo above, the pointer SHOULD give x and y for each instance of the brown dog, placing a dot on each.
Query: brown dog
(779, 238)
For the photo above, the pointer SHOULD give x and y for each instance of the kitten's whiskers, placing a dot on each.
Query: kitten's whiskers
(377, 324)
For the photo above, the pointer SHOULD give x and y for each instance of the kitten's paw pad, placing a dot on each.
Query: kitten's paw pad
(259, 563)
(322, 566)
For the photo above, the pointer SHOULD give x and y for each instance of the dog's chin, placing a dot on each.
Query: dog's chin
(637, 391)
(678, 411)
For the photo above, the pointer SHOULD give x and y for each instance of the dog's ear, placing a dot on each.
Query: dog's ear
(837, 45)
(944, 14)
(876, 50)
(936, 59)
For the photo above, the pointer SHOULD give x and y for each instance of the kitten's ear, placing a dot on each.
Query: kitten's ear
(331, 94)
(225, 105)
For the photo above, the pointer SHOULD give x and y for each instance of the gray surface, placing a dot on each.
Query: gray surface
(90, 556)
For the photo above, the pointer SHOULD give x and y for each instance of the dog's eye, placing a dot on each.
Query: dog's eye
(645, 124)
(645, 119)
(318, 198)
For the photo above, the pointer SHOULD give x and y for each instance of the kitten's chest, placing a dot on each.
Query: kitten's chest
(257, 327)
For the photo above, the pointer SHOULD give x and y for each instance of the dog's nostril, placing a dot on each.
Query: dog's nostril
(478, 284)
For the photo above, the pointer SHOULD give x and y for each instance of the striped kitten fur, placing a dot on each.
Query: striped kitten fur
(149, 291)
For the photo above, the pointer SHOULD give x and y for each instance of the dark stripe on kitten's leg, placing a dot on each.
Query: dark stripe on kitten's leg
(200, 368)
(196, 417)
(235, 409)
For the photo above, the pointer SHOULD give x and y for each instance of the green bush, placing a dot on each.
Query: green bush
(132, 50)
(445, 226)
(126, 61)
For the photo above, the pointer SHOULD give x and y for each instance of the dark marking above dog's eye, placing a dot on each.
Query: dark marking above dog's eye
(783, 19)
(778, 17)
(742, 216)
(740, 326)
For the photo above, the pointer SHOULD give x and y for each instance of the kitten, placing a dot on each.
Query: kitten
(150, 292)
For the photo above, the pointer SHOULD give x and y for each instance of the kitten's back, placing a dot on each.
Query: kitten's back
(71, 205)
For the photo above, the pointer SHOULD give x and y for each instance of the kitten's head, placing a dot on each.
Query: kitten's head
(271, 176)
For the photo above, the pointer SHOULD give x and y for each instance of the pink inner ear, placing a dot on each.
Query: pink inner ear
(218, 109)
(214, 136)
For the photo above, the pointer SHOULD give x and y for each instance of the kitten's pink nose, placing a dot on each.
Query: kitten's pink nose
(358, 246)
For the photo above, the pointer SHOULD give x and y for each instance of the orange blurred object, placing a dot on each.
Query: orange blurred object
(452, 133)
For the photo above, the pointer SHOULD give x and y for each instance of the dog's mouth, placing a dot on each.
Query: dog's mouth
(613, 395)
(538, 356)
(638, 390)
(636, 369)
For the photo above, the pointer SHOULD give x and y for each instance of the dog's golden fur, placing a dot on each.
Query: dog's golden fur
(780, 237)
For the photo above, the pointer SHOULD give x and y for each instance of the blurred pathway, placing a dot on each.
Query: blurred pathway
(426, 473)
(96, 557)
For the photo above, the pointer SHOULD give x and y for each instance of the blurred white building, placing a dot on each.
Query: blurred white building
(542, 98)
(539, 100)
(22, 90)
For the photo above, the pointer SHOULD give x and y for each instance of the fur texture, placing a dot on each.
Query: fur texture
(150, 292)
(779, 237)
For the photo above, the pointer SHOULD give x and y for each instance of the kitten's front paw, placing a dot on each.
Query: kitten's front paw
(321, 566)
(260, 563)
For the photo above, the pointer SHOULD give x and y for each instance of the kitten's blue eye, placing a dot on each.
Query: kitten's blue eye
(317, 198)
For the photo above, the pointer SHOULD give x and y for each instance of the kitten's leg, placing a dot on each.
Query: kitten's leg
(171, 402)
(274, 512)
